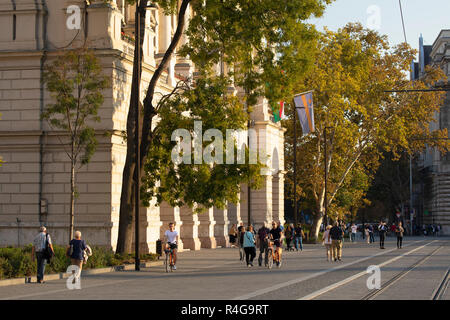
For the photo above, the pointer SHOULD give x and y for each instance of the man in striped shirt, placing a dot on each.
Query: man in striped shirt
(39, 245)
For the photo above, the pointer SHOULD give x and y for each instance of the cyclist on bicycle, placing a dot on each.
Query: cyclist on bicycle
(261, 241)
(276, 235)
(171, 240)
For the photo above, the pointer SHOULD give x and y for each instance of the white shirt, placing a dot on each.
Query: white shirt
(171, 236)
(354, 229)
(325, 237)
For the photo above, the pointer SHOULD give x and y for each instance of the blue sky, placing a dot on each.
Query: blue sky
(428, 17)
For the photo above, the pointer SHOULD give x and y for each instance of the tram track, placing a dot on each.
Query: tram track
(440, 291)
(376, 292)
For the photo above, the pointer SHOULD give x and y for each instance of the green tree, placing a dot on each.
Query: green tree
(75, 82)
(353, 68)
(257, 40)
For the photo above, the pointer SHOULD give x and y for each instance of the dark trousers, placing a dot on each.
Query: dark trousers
(399, 242)
(372, 238)
(250, 254)
(288, 243)
(382, 237)
(40, 265)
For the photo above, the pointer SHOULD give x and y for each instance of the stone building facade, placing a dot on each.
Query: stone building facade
(35, 178)
(431, 197)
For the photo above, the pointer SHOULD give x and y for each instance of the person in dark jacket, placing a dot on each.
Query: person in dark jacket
(336, 234)
(37, 251)
(382, 229)
(75, 251)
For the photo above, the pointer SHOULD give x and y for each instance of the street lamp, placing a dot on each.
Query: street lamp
(137, 79)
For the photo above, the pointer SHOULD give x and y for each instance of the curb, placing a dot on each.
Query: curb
(62, 275)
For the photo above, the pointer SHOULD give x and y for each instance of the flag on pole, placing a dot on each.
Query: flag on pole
(278, 114)
(304, 105)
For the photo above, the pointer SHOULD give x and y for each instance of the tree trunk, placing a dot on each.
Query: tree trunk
(72, 198)
(126, 219)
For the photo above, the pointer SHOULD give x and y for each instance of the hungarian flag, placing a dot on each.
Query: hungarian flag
(304, 105)
(278, 114)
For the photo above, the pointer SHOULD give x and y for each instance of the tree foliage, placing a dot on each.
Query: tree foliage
(353, 68)
(75, 82)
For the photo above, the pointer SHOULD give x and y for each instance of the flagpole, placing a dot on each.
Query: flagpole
(295, 167)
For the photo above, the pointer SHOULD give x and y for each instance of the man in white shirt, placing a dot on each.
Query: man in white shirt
(171, 240)
(354, 230)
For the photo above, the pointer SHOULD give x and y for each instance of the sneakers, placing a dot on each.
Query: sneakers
(174, 267)
(248, 265)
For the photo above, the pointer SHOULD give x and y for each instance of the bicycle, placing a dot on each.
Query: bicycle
(168, 262)
(272, 256)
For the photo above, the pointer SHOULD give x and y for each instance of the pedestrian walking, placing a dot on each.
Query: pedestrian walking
(382, 229)
(366, 230)
(327, 243)
(399, 231)
(261, 241)
(233, 235)
(289, 234)
(371, 236)
(298, 237)
(76, 250)
(354, 229)
(42, 244)
(249, 246)
(336, 235)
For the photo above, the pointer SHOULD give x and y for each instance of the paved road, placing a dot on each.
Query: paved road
(418, 270)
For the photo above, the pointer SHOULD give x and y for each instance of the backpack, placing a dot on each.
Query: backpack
(48, 252)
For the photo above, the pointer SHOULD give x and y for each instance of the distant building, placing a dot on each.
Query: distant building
(431, 190)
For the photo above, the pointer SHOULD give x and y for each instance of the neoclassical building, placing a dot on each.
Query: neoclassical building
(431, 198)
(35, 178)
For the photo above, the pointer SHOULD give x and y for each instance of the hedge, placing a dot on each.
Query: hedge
(16, 262)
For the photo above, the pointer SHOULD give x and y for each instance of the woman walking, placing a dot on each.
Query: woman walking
(75, 251)
(249, 246)
(399, 231)
(289, 237)
(233, 235)
(327, 243)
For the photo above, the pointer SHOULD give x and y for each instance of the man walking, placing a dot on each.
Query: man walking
(372, 238)
(354, 229)
(298, 237)
(38, 252)
(382, 229)
(263, 235)
(336, 234)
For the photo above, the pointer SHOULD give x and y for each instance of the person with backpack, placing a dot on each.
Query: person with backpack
(42, 250)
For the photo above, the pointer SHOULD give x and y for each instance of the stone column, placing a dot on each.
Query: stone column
(189, 229)
(170, 214)
(278, 196)
(262, 204)
(165, 37)
(222, 227)
(206, 229)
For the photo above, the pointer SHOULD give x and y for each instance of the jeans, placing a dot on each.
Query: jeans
(40, 265)
(353, 237)
(372, 238)
(298, 240)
